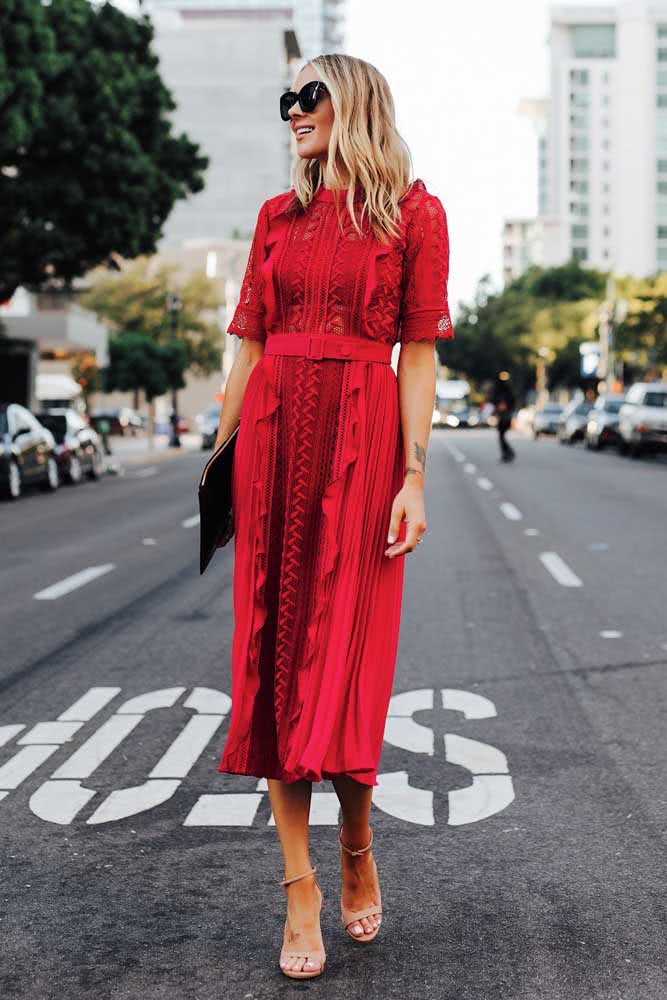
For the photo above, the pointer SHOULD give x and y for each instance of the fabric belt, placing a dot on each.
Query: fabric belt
(328, 345)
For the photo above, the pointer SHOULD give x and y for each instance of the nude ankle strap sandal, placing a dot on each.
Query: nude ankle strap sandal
(314, 954)
(349, 917)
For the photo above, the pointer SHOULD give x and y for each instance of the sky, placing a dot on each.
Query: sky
(457, 70)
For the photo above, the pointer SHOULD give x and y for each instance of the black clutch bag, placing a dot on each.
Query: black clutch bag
(215, 499)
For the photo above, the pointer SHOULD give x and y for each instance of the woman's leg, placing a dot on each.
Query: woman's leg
(291, 808)
(360, 887)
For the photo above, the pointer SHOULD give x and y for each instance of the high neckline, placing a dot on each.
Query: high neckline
(327, 194)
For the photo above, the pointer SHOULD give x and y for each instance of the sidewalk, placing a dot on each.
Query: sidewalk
(136, 451)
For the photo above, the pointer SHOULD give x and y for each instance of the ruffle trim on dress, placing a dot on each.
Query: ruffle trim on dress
(265, 402)
(333, 505)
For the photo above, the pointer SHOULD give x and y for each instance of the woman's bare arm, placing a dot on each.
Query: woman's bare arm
(416, 392)
(249, 354)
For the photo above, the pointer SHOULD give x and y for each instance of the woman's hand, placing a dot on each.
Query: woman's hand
(409, 504)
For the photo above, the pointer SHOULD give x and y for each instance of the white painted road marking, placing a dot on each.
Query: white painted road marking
(511, 512)
(470, 468)
(73, 582)
(61, 798)
(559, 569)
(611, 633)
(484, 483)
(531, 532)
(89, 704)
(191, 522)
(456, 453)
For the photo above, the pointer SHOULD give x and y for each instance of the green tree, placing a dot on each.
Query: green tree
(135, 301)
(91, 168)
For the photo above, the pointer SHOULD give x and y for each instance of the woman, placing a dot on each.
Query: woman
(328, 482)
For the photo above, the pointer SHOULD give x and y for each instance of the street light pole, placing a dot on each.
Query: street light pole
(174, 306)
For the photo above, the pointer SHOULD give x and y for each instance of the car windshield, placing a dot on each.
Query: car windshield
(583, 408)
(56, 423)
(612, 405)
(655, 399)
(552, 408)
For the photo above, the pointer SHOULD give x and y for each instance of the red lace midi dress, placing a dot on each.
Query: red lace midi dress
(319, 458)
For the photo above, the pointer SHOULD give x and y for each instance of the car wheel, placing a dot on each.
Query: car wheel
(75, 471)
(637, 450)
(96, 470)
(52, 481)
(14, 481)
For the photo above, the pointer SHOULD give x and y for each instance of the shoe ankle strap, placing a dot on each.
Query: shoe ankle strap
(295, 878)
(349, 850)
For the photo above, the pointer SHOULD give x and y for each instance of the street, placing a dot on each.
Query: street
(521, 809)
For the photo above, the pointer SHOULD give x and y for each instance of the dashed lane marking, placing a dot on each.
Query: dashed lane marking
(73, 582)
(470, 468)
(511, 512)
(559, 569)
(190, 522)
(484, 483)
(611, 633)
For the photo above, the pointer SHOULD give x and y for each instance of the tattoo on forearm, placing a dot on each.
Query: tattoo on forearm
(420, 454)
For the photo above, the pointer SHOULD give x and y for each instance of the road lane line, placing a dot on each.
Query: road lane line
(89, 704)
(73, 582)
(190, 522)
(611, 633)
(456, 453)
(470, 468)
(484, 483)
(511, 512)
(559, 569)
(531, 532)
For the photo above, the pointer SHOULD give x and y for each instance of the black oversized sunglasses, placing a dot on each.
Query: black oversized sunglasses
(307, 97)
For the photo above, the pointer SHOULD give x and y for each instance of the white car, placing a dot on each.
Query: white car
(642, 420)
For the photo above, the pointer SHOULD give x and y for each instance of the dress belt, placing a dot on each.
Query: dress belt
(328, 345)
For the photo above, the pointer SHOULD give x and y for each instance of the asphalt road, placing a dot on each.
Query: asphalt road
(521, 813)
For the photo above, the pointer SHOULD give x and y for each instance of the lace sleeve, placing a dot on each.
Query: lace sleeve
(424, 307)
(248, 318)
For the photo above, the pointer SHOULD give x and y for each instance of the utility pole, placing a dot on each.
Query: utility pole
(174, 306)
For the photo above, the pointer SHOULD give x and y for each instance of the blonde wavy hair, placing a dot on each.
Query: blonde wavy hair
(364, 140)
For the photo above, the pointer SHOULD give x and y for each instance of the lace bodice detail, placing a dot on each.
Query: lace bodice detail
(308, 273)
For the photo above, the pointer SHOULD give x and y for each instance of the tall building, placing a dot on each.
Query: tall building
(319, 26)
(226, 63)
(602, 142)
(606, 142)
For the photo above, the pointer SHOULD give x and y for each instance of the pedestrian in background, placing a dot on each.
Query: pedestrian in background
(328, 475)
(504, 402)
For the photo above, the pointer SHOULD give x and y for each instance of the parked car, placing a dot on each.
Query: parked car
(27, 452)
(122, 420)
(208, 423)
(642, 419)
(547, 419)
(573, 421)
(79, 450)
(602, 426)
(454, 413)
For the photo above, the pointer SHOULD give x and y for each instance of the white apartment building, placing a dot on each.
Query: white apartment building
(606, 140)
(523, 245)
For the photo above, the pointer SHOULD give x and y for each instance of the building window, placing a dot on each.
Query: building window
(594, 41)
(581, 253)
(579, 232)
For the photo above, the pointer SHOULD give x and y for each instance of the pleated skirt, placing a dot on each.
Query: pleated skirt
(318, 460)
